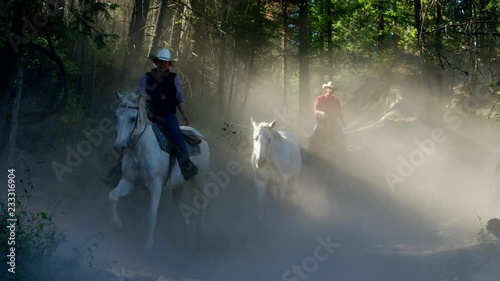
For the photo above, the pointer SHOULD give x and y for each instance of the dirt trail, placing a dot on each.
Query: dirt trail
(413, 233)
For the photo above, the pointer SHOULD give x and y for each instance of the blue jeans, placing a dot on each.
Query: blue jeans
(171, 125)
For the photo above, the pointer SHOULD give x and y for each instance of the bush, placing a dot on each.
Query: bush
(483, 236)
(36, 238)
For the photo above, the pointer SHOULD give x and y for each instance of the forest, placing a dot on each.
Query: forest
(84, 50)
(419, 84)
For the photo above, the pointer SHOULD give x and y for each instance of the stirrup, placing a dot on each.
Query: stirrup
(188, 169)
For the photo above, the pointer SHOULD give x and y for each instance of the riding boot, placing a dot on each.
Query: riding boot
(188, 168)
(114, 175)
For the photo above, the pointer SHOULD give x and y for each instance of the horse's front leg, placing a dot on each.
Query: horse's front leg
(289, 188)
(155, 191)
(282, 187)
(279, 191)
(123, 188)
(260, 186)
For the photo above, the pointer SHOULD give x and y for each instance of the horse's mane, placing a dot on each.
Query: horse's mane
(264, 125)
(130, 99)
(274, 132)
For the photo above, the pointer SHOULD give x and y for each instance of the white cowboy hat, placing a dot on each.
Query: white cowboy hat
(329, 85)
(163, 55)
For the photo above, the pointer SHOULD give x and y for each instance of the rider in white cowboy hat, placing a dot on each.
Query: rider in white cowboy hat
(162, 89)
(327, 107)
(327, 134)
(163, 55)
(163, 92)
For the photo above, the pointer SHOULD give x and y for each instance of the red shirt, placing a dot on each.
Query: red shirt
(328, 104)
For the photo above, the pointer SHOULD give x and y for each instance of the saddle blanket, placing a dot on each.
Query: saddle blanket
(192, 141)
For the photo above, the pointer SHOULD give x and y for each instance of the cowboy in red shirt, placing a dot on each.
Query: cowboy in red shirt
(327, 107)
(327, 134)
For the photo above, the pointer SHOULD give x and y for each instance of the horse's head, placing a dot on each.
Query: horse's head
(131, 118)
(262, 138)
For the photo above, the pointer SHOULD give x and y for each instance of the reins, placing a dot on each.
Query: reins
(135, 127)
(171, 159)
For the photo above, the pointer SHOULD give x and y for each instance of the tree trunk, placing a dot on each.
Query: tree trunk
(7, 65)
(438, 40)
(175, 36)
(329, 38)
(199, 44)
(284, 77)
(303, 60)
(426, 68)
(395, 38)
(492, 28)
(438, 19)
(52, 54)
(135, 48)
(381, 25)
(251, 61)
(94, 77)
(222, 61)
(322, 33)
(222, 74)
(231, 84)
(82, 81)
(249, 80)
(9, 55)
(487, 27)
(159, 26)
(15, 111)
(418, 23)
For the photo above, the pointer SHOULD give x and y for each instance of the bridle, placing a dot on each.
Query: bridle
(129, 140)
(171, 159)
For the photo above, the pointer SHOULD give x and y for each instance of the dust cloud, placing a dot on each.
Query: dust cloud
(406, 203)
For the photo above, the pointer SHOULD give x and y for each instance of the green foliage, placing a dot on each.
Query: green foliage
(73, 114)
(43, 19)
(4, 31)
(36, 235)
(51, 34)
(251, 30)
(85, 21)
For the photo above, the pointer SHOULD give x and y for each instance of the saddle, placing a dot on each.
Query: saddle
(192, 140)
(191, 137)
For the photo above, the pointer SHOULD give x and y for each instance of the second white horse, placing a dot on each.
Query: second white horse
(276, 160)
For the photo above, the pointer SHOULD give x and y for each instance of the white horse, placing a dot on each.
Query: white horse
(145, 163)
(276, 160)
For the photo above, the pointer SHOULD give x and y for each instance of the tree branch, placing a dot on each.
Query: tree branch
(52, 54)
